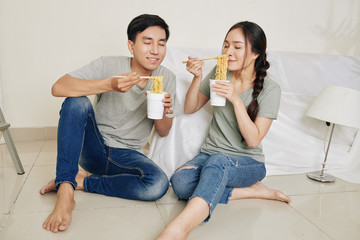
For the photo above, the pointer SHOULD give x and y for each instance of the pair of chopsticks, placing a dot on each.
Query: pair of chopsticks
(202, 59)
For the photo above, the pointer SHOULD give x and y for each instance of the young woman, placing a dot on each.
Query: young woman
(231, 163)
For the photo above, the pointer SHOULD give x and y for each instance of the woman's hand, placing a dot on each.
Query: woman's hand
(194, 66)
(226, 89)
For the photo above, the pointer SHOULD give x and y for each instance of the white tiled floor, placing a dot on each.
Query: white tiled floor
(318, 211)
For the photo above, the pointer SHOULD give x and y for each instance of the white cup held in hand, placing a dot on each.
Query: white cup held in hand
(155, 105)
(215, 99)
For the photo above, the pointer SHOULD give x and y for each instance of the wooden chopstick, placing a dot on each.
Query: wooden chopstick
(202, 59)
(143, 77)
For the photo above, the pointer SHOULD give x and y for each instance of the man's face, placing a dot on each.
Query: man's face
(149, 49)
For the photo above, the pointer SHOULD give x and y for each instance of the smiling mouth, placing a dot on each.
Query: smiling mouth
(153, 59)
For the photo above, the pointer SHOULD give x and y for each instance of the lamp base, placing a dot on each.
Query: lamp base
(326, 178)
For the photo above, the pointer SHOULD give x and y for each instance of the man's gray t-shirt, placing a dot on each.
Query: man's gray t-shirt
(122, 117)
(224, 134)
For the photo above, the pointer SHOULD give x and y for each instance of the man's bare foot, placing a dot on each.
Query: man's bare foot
(50, 186)
(259, 190)
(60, 217)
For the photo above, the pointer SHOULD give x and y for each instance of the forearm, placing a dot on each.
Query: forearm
(249, 130)
(68, 86)
(163, 126)
(192, 96)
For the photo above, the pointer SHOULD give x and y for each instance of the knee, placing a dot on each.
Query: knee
(183, 183)
(76, 105)
(157, 188)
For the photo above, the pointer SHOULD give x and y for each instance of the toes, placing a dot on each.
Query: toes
(55, 226)
(63, 226)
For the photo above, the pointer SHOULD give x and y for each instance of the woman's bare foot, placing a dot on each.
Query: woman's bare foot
(59, 219)
(172, 233)
(259, 190)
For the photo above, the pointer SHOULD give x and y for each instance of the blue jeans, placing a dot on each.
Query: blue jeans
(213, 177)
(116, 172)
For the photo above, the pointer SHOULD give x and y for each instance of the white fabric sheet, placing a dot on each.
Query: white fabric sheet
(295, 143)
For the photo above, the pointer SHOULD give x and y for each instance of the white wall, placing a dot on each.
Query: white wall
(40, 40)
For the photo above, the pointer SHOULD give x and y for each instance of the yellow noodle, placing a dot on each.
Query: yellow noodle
(221, 67)
(156, 84)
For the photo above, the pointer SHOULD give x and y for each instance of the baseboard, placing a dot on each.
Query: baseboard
(29, 134)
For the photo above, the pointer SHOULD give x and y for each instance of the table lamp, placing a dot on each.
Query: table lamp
(335, 105)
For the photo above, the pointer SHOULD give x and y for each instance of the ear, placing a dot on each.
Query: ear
(255, 55)
(131, 46)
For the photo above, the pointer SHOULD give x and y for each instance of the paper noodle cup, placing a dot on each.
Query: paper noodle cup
(215, 99)
(155, 105)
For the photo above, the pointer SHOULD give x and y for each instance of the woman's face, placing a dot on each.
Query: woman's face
(234, 47)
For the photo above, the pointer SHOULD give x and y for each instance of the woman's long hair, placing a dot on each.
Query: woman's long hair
(255, 36)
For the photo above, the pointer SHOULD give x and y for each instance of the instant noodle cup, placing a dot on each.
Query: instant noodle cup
(215, 99)
(155, 105)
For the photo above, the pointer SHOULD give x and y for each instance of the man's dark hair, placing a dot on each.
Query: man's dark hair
(142, 22)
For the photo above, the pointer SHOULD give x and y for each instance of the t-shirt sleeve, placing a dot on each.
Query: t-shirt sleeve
(205, 84)
(269, 101)
(92, 71)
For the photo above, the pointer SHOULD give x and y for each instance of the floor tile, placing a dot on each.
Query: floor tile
(10, 186)
(300, 184)
(337, 214)
(130, 223)
(250, 219)
(170, 211)
(48, 154)
(2, 220)
(168, 198)
(28, 152)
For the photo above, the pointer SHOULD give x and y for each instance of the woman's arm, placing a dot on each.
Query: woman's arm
(252, 132)
(194, 98)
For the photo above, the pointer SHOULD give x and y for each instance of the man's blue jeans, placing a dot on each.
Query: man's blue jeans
(117, 172)
(212, 177)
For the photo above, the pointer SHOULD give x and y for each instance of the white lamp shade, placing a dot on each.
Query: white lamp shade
(336, 104)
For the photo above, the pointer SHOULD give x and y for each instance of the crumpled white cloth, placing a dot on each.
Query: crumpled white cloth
(295, 143)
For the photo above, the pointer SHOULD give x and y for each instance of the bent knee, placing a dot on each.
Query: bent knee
(77, 103)
(183, 182)
(156, 190)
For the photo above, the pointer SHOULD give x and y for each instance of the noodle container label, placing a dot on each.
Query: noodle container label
(155, 105)
(215, 99)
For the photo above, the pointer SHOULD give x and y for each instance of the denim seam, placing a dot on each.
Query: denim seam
(113, 176)
(130, 168)
(96, 133)
(85, 185)
(73, 184)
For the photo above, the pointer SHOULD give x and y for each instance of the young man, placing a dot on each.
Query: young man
(107, 143)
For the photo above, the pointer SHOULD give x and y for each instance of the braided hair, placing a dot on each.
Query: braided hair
(255, 36)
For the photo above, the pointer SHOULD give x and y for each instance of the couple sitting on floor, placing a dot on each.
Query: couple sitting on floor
(107, 142)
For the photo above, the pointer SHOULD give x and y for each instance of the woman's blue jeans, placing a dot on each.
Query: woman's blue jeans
(212, 177)
(116, 172)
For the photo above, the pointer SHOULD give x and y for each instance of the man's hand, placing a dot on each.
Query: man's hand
(167, 104)
(123, 83)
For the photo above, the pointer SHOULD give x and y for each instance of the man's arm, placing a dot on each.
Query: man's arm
(163, 126)
(68, 86)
